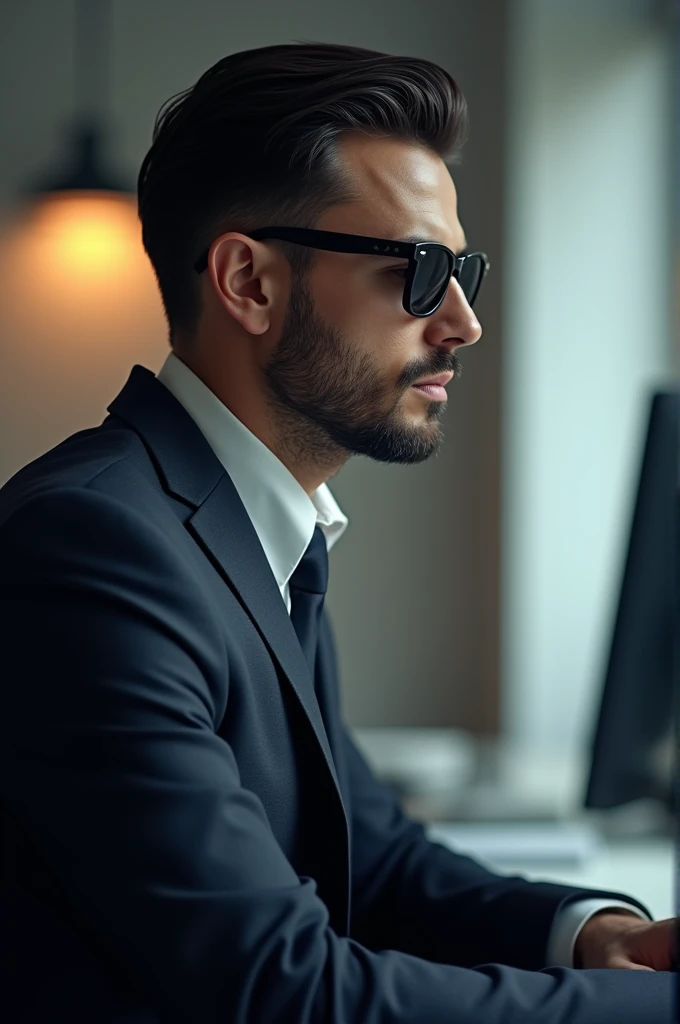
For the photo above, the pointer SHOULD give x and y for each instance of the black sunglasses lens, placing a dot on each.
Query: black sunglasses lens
(471, 277)
(431, 279)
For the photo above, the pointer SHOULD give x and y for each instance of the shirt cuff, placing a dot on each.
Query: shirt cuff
(568, 924)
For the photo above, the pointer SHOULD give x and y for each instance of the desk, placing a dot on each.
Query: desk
(643, 868)
(640, 868)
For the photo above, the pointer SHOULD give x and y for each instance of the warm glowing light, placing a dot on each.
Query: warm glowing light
(89, 235)
(85, 235)
(79, 305)
(75, 261)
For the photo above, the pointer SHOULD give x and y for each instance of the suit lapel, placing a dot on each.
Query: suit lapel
(191, 471)
(238, 553)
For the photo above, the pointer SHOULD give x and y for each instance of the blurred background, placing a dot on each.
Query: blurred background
(490, 576)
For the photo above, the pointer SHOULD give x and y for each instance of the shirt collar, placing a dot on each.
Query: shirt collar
(283, 514)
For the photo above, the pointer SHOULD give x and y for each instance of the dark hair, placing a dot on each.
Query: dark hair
(252, 144)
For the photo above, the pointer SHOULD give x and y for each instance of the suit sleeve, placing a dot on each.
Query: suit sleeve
(114, 681)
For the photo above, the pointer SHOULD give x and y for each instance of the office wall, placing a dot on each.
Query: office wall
(588, 333)
(414, 583)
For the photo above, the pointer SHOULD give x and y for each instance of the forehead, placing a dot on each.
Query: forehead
(403, 189)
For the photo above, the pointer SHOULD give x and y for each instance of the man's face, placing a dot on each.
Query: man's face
(340, 377)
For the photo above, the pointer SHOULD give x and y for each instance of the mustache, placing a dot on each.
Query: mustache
(452, 365)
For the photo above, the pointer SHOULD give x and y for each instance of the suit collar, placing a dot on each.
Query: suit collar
(185, 462)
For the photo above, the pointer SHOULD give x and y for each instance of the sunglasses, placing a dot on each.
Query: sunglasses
(431, 264)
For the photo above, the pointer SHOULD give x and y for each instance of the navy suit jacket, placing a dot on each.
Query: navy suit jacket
(189, 833)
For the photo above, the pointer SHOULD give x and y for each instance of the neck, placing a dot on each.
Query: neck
(242, 394)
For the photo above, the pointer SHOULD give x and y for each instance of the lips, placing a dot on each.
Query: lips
(442, 379)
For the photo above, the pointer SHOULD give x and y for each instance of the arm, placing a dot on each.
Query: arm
(114, 680)
(416, 895)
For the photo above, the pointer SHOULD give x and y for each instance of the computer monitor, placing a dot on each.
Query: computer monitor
(636, 731)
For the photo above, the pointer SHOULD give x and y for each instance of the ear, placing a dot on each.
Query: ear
(250, 280)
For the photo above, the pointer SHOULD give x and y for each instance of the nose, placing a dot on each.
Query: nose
(459, 314)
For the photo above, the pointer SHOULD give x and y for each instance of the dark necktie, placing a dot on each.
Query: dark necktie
(308, 586)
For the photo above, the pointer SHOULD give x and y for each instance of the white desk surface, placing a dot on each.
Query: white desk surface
(643, 868)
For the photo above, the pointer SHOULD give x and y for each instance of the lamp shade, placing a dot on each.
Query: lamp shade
(85, 170)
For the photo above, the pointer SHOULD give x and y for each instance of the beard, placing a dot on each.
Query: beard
(328, 401)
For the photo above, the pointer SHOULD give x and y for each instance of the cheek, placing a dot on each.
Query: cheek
(349, 296)
(338, 296)
(367, 311)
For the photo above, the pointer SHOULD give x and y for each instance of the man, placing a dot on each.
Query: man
(190, 833)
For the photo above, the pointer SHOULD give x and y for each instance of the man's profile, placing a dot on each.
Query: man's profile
(190, 833)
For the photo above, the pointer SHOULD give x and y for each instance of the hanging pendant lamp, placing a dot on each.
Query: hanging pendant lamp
(85, 169)
(72, 264)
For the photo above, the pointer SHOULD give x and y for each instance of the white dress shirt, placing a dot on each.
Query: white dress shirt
(284, 517)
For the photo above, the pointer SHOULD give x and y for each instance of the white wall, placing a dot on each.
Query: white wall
(587, 253)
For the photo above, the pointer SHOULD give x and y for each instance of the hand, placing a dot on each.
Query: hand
(618, 939)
